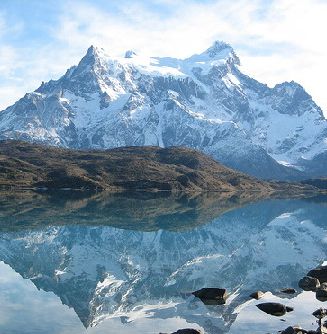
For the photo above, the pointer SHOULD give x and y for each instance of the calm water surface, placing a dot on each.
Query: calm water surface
(127, 263)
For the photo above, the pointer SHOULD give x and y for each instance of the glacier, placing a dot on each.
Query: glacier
(203, 102)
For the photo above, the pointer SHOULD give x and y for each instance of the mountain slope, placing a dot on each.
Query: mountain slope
(203, 102)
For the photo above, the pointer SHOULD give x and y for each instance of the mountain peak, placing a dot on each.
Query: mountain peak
(95, 57)
(94, 52)
(204, 102)
(217, 47)
(130, 54)
(290, 87)
(220, 50)
(91, 50)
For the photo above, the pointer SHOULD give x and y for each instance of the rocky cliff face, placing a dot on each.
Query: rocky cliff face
(202, 102)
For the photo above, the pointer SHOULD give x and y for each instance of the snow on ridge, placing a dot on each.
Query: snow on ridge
(203, 102)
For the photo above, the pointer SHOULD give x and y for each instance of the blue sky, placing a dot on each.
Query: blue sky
(277, 40)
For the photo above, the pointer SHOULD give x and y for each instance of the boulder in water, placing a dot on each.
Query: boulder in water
(257, 295)
(188, 331)
(320, 313)
(275, 309)
(289, 330)
(212, 296)
(309, 283)
(289, 291)
(320, 273)
(321, 293)
(293, 330)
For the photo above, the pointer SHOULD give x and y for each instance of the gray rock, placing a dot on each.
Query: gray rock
(321, 293)
(289, 309)
(309, 283)
(211, 296)
(289, 291)
(322, 330)
(294, 330)
(289, 330)
(299, 330)
(275, 309)
(188, 331)
(320, 273)
(320, 313)
(257, 295)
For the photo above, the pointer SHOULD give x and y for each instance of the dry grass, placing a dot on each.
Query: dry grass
(175, 169)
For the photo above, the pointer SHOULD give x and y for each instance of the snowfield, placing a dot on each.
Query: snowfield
(203, 102)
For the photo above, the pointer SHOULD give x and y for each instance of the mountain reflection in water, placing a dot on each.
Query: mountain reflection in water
(129, 261)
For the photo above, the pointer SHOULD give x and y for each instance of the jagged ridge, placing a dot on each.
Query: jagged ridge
(202, 102)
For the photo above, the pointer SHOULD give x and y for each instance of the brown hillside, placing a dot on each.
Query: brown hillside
(24, 165)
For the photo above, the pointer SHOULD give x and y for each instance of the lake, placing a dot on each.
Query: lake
(127, 263)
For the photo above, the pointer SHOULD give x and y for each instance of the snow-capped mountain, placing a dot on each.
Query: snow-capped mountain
(204, 102)
(105, 273)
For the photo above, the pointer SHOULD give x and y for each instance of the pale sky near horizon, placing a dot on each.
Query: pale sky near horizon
(277, 40)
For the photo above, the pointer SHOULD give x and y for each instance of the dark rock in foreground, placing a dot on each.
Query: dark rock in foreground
(320, 273)
(293, 330)
(275, 309)
(320, 313)
(257, 295)
(289, 330)
(187, 331)
(309, 283)
(212, 296)
(321, 293)
(289, 291)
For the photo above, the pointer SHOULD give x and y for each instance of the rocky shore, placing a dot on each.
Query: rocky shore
(315, 281)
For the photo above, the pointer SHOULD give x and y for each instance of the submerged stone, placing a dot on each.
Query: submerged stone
(294, 330)
(320, 273)
(309, 283)
(275, 309)
(289, 291)
(211, 296)
(188, 331)
(321, 293)
(257, 295)
(320, 313)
